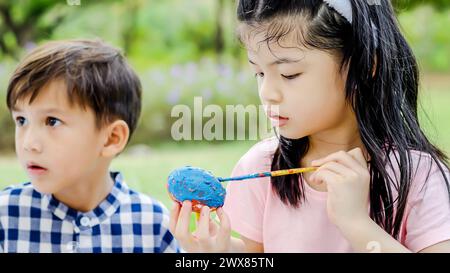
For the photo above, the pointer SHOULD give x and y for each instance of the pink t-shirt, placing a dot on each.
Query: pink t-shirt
(256, 212)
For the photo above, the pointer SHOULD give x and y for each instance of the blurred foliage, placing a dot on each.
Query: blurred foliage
(144, 28)
(217, 84)
(427, 32)
(402, 5)
(25, 21)
(151, 32)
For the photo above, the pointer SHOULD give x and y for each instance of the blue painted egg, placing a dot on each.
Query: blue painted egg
(196, 185)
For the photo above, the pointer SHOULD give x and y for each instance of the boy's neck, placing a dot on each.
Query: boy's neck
(89, 193)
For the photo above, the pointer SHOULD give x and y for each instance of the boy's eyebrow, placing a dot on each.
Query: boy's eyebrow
(51, 111)
(45, 110)
(279, 61)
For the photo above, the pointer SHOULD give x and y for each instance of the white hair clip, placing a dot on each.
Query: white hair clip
(343, 7)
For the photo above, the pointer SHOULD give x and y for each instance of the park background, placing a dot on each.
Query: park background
(187, 48)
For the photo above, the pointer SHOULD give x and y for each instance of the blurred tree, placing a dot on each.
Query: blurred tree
(129, 31)
(20, 23)
(28, 21)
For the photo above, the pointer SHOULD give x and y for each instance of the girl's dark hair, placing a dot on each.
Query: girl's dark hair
(381, 86)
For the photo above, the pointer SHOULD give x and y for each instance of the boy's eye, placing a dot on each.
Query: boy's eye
(53, 122)
(20, 121)
(291, 77)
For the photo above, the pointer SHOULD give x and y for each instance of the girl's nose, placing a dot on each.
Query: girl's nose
(270, 92)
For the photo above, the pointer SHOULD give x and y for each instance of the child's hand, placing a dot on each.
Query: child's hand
(348, 182)
(208, 237)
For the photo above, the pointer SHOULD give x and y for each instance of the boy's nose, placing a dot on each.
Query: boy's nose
(31, 142)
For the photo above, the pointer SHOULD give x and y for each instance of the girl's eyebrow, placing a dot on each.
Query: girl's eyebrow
(279, 61)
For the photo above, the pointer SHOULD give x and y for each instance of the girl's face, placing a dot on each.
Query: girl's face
(303, 89)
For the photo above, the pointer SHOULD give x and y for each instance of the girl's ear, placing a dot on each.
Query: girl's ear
(117, 134)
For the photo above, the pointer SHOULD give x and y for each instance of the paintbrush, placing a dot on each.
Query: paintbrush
(268, 174)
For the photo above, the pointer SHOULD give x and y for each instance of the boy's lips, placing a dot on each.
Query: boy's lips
(35, 169)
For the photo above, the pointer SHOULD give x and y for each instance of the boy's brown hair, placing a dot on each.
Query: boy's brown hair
(96, 74)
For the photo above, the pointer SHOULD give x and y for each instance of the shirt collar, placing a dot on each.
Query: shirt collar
(86, 220)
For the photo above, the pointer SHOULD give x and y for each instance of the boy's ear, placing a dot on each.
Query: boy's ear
(117, 134)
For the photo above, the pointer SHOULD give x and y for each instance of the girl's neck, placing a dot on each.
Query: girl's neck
(342, 137)
(322, 145)
(327, 142)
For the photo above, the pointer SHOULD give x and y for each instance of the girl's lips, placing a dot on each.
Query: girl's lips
(278, 121)
(274, 114)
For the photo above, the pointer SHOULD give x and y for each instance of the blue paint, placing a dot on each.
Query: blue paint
(190, 183)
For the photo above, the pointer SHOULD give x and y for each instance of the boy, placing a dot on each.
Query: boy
(75, 104)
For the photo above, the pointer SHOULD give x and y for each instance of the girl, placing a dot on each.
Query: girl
(345, 85)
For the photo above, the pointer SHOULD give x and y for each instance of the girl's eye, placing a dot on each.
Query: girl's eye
(52, 122)
(20, 121)
(259, 75)
(291, 77)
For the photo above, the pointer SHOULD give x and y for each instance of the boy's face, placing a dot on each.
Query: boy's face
(58, 144)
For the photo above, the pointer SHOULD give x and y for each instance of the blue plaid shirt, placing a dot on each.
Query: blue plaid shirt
(126, 221)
